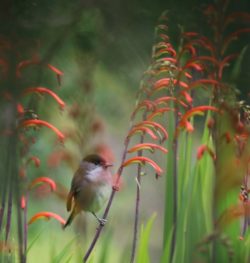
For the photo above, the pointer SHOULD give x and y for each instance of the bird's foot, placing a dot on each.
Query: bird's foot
(102, 221)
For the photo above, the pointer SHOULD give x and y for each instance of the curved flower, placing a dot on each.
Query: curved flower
(199, 110)
(41, 180)
(196, 110)
(28, 123)
(156, 125)
(165, 82)
(56, 70)
(47, 91)
(158, 112)
(142, 129)
(149, 105)
(168, 98)
(147, 146)
(142, 160)
(35, 159)
(204, 148)
(46, 215)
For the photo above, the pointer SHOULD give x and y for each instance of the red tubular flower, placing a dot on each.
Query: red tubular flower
(46, 215)
(158, 112)
(28, 123)
(147, 146)
(204, 148)
(165, 82)
(171, 60)
(149, 105)
(168, 98)
(167, 50)
(35, 159)
(20, 109)
(47, 91)
(142, 129)
(23, 202)
(156, 125)
(56, 70)
(187, 96)
(41, 180)
(199, 110)
(142, 160)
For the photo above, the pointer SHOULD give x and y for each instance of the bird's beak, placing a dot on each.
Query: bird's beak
(108, 165)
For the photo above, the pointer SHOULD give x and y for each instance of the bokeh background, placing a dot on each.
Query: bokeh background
(103, 48)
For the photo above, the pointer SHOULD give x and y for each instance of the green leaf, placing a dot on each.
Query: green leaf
(237, 69)
(143, 249)
(64, 252)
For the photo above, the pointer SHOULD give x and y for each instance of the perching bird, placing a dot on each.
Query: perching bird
(90, 187)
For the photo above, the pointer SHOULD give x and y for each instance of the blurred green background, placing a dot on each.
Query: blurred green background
(103, 47)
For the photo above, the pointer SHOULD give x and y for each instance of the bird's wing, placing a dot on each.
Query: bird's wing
(69, 200)
(75, 186)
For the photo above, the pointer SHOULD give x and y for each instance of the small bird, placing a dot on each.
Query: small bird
(90, 187)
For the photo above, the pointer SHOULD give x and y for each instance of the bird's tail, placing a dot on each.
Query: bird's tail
(70, 219)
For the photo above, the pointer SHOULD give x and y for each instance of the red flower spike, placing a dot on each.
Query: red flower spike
(188, 48)
(188, 75)
(149, 105)
(187, 96)
(189, 127)
(147, 146)
(20, 109)
(193, 65)
(162, 83)
(56, 70)
(142, 160)
(204, 148)
(41, 180)
(171, 60)
(156, 125)
(167, 98)
(47, 91)
(190, 34)
(35, 159)
(34, 122)
(46, 215)
(167, 50)
(23, 202)
(158, 112)
(196, 110)
(142, 129)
